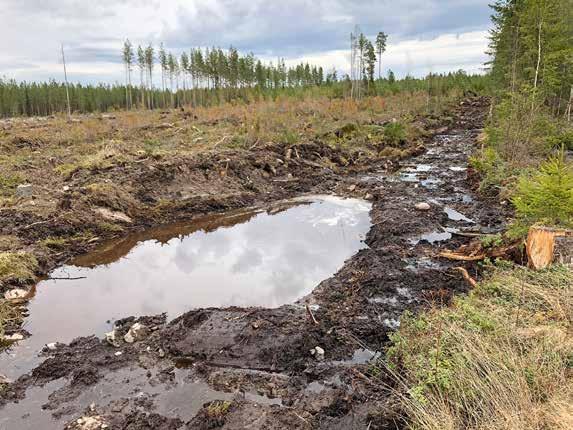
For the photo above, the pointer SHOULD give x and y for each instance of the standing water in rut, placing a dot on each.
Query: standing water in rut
(245, 258)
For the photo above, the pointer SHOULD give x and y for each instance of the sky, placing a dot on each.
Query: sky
(424, 35)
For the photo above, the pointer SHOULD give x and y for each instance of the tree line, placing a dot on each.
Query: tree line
(230, 74)
(531, 46)
(157, 79)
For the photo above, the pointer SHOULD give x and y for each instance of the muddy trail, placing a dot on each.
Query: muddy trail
(305, 364)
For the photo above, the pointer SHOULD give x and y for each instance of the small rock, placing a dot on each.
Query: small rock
(423, 206)
(118, 353)
(14, 337)
(16, 293)
(91, 423)
(4, 379)
(368, 196)
(66, 188)
(161, 353)
(319, 353)
(24, 190)
(111, 338)
(136, 332)
(51, 346)
(352, 187)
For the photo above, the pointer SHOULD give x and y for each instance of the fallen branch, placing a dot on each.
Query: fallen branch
(67, 279)
(221, 141)
(467, 276)
(461, 257)
(311, 315)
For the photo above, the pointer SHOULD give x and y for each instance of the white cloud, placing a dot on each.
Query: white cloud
(422, 32)
(448, 52)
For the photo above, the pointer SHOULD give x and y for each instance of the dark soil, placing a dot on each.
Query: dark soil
(260, 359)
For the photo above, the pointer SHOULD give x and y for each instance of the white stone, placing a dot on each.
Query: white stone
(14, 337)
(118, 353)
(16, 293)
(51, 346)
(4, 379)
(136, 332)
(423, 206)
(91, 423)
(111, 338)
(319, 353)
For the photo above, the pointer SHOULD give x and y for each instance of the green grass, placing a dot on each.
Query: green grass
(500, 358)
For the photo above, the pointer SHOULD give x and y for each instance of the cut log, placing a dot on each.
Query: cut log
(549, 245)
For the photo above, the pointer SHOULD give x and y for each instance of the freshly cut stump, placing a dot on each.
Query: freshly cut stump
(549, 245)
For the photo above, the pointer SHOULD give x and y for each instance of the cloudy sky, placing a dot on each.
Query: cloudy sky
(424, 35)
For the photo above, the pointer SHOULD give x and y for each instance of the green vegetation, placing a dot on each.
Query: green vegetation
(498, 358)
(17, 267)
(218, 408)
(546, 196)
(532, 72)
(8, 314)
(8, 183)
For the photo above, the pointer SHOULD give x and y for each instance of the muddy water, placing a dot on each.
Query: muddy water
(248, 258)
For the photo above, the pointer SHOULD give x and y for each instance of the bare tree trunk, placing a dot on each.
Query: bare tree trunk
(66, 79)
(569, 105)
(126, 86)
(538, 55)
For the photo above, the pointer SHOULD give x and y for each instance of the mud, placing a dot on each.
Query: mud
(237, 368)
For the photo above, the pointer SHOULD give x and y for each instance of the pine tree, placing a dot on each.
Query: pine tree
(547, 196)
(381, 39)
(370, 61)
(149, 62)
(142, 68)
(185, 69)
(128, 61)
(163, 64)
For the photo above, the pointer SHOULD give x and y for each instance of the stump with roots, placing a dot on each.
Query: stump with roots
(546, 246)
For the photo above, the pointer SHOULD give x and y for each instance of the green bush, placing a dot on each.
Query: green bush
(547, 195)
(394, 133)
(562, 140)
(491, 167)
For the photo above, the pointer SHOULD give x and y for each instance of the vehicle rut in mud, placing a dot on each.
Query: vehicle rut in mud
(295, 366)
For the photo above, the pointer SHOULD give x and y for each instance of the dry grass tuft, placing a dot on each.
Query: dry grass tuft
(17, 267)
(500, 358)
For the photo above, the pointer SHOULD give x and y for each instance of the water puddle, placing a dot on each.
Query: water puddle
(420, 168)
(246, 258)
(359, 356)
(454, 215)
(431, 183)
(179, 395)
(409, 177)
(28, 414)
(432, 237)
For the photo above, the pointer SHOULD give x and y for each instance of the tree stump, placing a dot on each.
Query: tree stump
(546, 246)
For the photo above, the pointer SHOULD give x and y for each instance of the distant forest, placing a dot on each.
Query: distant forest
(204, 77)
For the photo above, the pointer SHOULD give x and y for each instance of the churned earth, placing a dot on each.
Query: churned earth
(304, 365)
